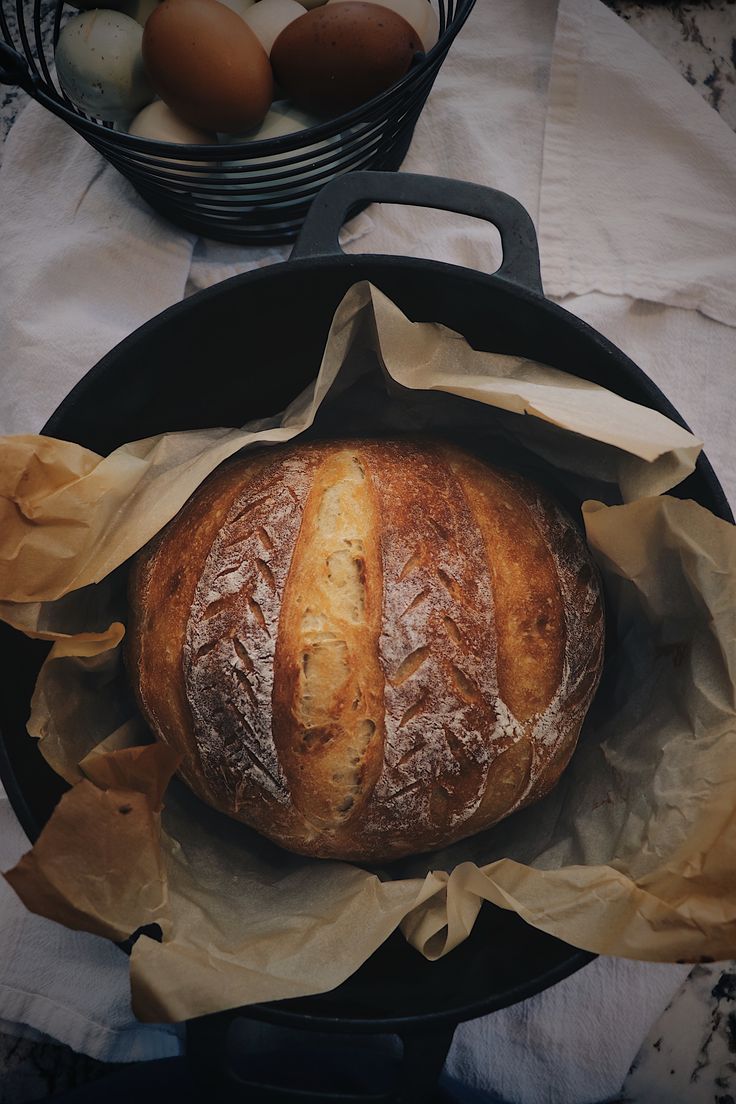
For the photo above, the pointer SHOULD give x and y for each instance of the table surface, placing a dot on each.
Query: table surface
(690, 1054)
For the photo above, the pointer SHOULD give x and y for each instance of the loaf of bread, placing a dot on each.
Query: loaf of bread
(366, 649)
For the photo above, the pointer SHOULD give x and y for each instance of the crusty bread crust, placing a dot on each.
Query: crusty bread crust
(367, 649)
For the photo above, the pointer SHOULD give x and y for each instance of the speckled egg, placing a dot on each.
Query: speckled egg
(207, 65)
(100, 67)
(420, 14)
(336, 57)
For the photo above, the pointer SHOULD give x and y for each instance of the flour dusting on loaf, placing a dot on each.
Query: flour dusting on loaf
(437, 647)
(231, 635)
(376, 647)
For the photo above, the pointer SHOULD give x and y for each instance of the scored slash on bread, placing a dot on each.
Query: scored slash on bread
(367, 649)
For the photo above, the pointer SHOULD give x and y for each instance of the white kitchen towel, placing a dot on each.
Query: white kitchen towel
(80, 265)
(83, 262)
(639, 174)
(526, 1055)
(691, 357)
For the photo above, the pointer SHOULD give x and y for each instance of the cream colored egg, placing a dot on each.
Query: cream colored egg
(157, 121)
(240, 7)
(282, 119)
(138, 9)
(100, 66)
(268, 18)
(419, 14)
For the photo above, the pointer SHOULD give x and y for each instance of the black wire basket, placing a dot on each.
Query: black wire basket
(247, 192)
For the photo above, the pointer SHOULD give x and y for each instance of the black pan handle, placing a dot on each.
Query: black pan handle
(14, 69)
(343, 195)
(220, 1078)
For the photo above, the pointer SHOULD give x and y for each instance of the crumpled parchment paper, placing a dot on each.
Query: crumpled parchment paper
(632, 854)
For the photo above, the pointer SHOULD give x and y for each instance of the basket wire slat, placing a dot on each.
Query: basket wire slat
(246, 192)
(38, 36)
(23, 32)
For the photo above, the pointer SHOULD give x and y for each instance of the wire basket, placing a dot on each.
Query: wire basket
(244, 192)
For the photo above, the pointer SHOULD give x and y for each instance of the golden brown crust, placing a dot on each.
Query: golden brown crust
(161, 589)
(524, 576)
(328, 700)
(437, 649)
(367, 649)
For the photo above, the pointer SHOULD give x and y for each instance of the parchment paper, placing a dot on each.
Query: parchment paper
(632, 854)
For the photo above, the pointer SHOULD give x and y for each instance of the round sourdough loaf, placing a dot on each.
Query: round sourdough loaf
(367, 649)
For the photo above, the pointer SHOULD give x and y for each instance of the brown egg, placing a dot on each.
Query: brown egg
(207, 65)
(335, 58)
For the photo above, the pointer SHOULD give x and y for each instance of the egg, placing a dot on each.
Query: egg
(336, 57)
(268, 18)
(138, 9)
(240, 7)
(420, 14)
(207, 65)
(100, 67)
(158, 121)
(283, 118)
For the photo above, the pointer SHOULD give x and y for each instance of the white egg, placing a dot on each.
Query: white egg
(268, 18)
(419, 14)
(240, 7)
(100, 67)
(159, 122)
(137, 9)
(282, 119)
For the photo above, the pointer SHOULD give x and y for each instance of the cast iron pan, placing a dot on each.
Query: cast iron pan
(242, 350)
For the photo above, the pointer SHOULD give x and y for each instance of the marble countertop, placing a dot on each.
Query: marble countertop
(698, 39)
(690, 1054)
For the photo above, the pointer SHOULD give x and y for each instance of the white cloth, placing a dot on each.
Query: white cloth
(638, 190)
(571, 1044)
(629, 177)
(81, 267)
